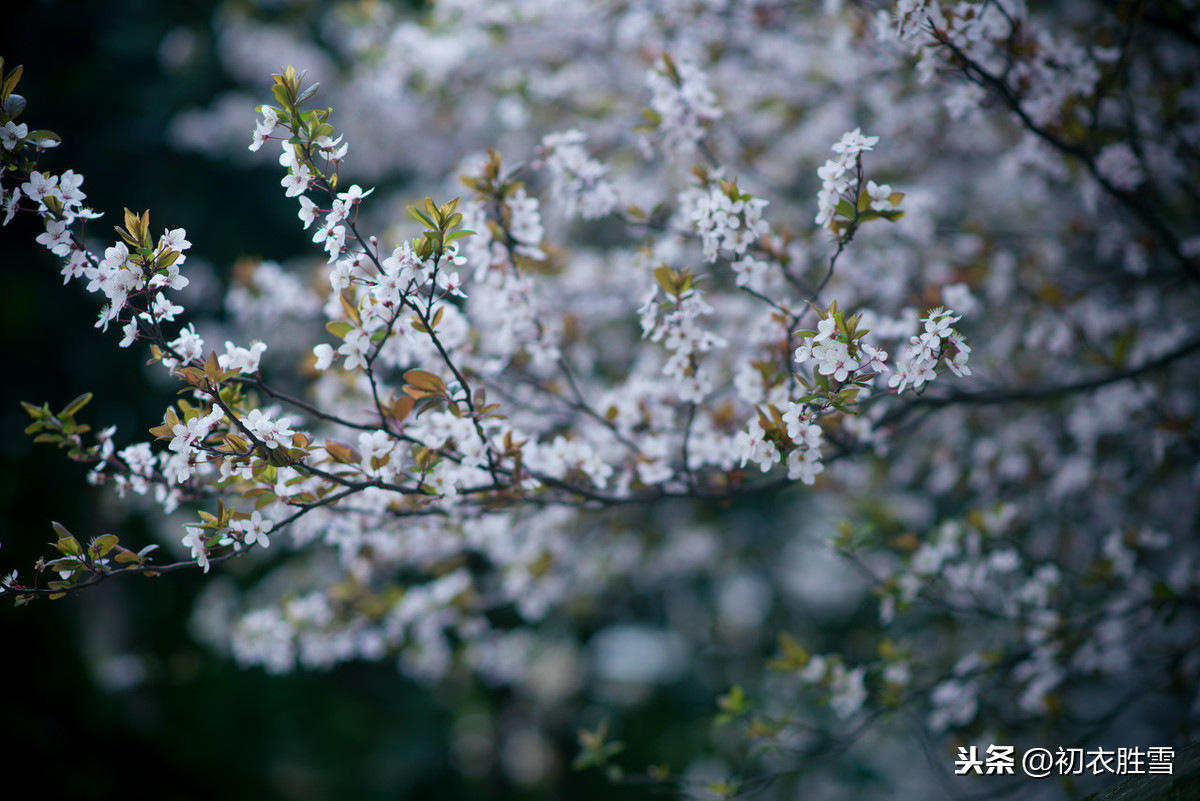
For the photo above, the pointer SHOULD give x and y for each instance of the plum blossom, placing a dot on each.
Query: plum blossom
(254, 530)
(332, 236)
(839, 174)
(243, 359)
(265, 127)
(332, 150)
(725, 222)
(39, 187)
(880, 195)
(684, 103)
(190, 434)
(1118, 164)
(272, 432)
(12, 134)
(298, 180)
(11, 204)
(189, 345)
(129, 333)
(355, 349)
(194, 538)
(354, 195)
(175, 239)
(57, 238)
(525, 223)
(849, 692)
(752, 445)
(162, 309)
(576, 179)
(918, 363)
(308, 211)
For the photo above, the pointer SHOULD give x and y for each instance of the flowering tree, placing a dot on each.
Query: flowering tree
(688, 261)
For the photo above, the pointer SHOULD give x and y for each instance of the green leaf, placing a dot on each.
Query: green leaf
(12, 106)
(62, 564)
(265, 500)
(68, 546)
(74, 406)
(733, 704)
(735, 700)
(723, 789)
(421, 217)
(342, 452)
(667, 278)
(339, 328)
(349, 308)
(281, 94)
(423, 384)
(307, 93)
(37, 413)
(126, 556)
(795, 656)
(10, 82)
(423, 379)
(102, 545)
(595, 749)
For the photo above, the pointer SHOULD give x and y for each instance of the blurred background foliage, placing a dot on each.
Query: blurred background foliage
(106, 694)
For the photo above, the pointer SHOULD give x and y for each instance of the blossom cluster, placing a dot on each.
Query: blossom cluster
(726, 219)
(937, 343)
(839, 175)
(682, 103)
(577, 179)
